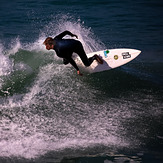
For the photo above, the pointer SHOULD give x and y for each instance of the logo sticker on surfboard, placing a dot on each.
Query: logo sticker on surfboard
(126, 55)
(116, 57)
(106, 52)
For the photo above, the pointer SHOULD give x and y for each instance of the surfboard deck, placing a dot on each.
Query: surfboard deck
(112, 58)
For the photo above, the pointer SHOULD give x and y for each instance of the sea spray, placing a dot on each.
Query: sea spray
(5, 63)
(85, 34)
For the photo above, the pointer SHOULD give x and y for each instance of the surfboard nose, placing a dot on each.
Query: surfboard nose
(135, 53)
(139, 51)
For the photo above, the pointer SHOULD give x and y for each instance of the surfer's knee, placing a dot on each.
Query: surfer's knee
(87, 64)
(65, 61)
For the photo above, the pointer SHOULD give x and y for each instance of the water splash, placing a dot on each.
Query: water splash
(85, 34)
(5, 63)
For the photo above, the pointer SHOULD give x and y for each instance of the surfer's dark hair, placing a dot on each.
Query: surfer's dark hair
(48, 41)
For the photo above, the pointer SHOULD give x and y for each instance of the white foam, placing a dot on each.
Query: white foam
(15, 46)
(71, 122)
(28, 142)
(5, 63)
(26, 146)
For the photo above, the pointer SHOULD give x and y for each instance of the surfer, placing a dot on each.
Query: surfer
(65, 47)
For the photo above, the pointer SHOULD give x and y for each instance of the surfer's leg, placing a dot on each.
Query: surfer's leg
(98, 59)
(87, 61)
(80, 51)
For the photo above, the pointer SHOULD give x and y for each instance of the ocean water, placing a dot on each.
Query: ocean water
(48, 114)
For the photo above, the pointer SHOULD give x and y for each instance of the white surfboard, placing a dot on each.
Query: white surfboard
(112, 58)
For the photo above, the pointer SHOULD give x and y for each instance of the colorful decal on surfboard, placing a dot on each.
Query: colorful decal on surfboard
(106, 53)
(126, 55)
(116, 57)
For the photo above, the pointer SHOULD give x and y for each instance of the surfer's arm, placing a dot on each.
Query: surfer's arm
(61, 35)
(73, 64)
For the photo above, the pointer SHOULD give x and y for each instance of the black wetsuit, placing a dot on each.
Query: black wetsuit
(65, 47)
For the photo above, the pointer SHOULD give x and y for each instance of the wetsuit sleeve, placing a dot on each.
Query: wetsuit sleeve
(61, 35)
(73, 64)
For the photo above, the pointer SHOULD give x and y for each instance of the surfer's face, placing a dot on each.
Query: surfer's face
(49, 43)
(48, 46)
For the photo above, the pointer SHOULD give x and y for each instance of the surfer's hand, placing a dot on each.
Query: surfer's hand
(79, 73)
(75, 36)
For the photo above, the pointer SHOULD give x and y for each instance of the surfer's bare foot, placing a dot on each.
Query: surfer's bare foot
(98, 59)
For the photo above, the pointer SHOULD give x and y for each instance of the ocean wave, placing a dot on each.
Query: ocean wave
(46, 107)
